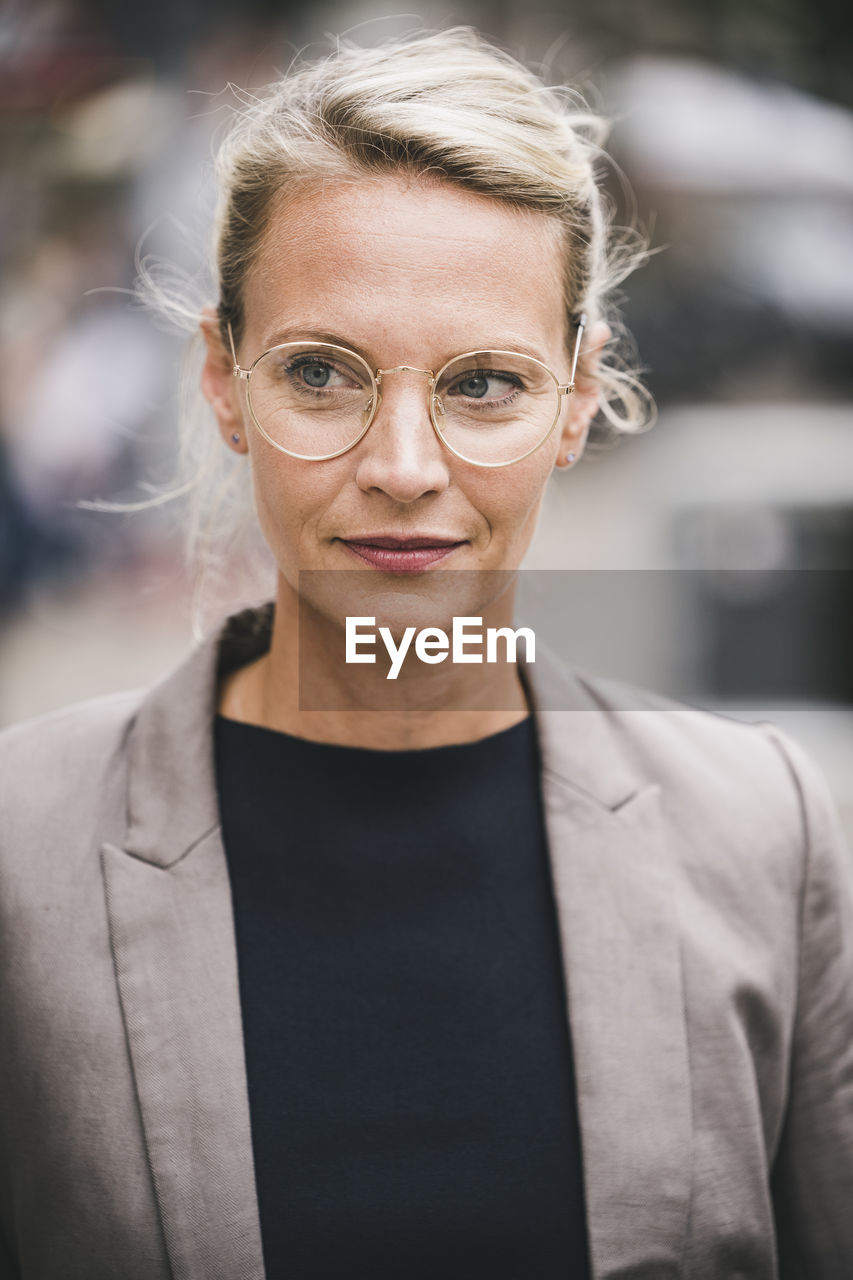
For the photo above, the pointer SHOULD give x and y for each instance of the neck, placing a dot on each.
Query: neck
(303, 687)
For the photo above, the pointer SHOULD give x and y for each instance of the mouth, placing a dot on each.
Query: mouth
(402, 555)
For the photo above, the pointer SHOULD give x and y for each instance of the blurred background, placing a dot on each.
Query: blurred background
(732, 519)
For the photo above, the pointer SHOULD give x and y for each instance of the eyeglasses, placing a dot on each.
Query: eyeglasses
(315, 400)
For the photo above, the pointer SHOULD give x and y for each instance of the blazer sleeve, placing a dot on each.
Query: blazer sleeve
(812, 1176)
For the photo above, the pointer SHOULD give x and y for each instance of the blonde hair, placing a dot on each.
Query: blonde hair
(448, 104)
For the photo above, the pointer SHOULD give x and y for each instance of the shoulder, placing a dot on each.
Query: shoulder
(621, 731)
(63, 732)
(742, 802)
(61, 767)
(751, 820)
(714, 754)
(705, 751)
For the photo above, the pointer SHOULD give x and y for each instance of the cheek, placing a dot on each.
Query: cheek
(510, 497)
(289, 500)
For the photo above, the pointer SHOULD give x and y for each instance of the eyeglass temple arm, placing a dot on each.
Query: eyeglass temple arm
(237, 371)
(570, 385)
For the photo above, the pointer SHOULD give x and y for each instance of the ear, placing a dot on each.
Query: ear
(218, 384)
(586, 397)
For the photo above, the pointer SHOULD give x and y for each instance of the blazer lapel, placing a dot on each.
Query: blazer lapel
(172, 941)
(613, 887)
(172, 935)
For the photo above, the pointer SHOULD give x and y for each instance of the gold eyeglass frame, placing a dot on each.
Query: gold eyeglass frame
(435, 406)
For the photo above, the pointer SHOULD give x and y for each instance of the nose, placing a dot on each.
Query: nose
(400, 454)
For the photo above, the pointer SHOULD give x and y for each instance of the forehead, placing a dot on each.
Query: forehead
(390, 262)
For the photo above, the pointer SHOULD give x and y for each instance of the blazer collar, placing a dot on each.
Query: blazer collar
(172, 788)
(172, 936)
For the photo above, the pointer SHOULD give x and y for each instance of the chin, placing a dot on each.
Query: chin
(397, 601)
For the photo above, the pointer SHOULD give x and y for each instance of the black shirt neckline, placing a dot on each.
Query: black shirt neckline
(262, 733)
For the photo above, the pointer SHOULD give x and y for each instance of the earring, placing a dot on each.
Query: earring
(570, 457)
(235, 436)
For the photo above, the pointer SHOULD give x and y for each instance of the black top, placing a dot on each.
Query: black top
(407, 1045)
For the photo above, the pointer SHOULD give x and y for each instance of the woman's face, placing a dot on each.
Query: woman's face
(406, 273)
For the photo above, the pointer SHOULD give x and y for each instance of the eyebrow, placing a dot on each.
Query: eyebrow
(508, 342)
(297, 331)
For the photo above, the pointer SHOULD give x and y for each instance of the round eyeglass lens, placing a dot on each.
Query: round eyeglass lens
(311, 399)
(494, 407)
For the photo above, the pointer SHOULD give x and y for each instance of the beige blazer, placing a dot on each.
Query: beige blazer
(706, 922)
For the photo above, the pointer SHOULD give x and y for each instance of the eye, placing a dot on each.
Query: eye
(316, 374)
(321, 374)
(486, 385)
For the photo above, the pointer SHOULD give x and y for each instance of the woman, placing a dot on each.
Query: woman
(501, 980)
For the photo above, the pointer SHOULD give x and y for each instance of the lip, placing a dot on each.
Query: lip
(392, 554)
